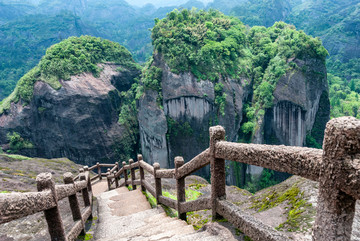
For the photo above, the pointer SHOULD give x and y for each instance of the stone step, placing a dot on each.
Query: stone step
(125, 215)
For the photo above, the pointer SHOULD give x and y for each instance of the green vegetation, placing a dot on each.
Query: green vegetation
(128, 145)
(344, 96)
(150, 198)
(17, 157)
(18, 143)
(86, 237)
(176, 129)
(214, 47)
(296, 207)
(69, 57)
(205, 43)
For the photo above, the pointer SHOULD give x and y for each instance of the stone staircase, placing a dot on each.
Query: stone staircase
(127, 215)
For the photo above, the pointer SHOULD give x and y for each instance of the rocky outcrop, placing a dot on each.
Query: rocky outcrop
(180, 126)
(297, 104)
(79, 121)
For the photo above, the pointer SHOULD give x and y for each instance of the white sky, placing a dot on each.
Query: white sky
(161, 3)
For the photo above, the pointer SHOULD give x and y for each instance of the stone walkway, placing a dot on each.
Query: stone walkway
(127, 215)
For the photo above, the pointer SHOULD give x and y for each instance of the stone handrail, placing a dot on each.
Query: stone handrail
(18, 205)
(336, 168)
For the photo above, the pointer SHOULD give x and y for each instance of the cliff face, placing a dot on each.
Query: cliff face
(180, 127)
(297, 105)
(79, 121)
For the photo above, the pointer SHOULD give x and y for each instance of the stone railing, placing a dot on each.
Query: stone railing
(18, 205)
(336, 168)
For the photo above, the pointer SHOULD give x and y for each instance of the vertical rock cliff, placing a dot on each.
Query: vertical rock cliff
(269, 89)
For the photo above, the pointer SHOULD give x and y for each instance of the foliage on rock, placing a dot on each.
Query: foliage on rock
(72, 56)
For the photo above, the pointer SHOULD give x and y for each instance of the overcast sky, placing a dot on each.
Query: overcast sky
(162, 3)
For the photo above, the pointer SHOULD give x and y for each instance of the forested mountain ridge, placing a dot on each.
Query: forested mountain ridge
(335, 22)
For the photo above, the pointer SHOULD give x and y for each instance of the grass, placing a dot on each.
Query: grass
(17, 157)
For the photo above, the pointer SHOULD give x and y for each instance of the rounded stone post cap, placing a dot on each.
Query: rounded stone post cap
(86, 168)
(342, 137)
(68, 177)
(82, 176)
(44, 177)
(123, 163)
(97, 163)
(156, 165)
(44, 181)
(217, 133)
(81, 170)
(131, 161)
(179, 161)
(139, 157)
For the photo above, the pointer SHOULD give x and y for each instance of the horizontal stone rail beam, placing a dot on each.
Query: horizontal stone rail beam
(134, 165)
(167, 201)
(301, 161)
(65, 190)
(196, 205)
(18, 205)
(106, 165)
(75, 230)
(93, 178)
(252, 227)
(165, 173)
(147, 167)
(93, 167)
(119, 172)
(149, 188)
(195, 164)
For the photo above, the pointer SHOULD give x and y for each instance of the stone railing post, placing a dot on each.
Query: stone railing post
(142, 174)
(85, 192)
(56, 228)
(158, 188)
(108, 179)
(116, 180)
(74, 203)
(180, 187)
(217, 169)
(86, 169)
(99, 170)
(336, 209)
(132, 172)
(117, 166)
(125, 174)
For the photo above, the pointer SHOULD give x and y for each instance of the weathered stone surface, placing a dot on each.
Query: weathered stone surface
(306, 162)
(339, 180)
(253, 228)
(296, 105)
(78, 121)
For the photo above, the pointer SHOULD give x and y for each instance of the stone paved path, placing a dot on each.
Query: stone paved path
(127, 215)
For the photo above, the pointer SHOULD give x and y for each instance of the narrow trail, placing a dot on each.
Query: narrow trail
(127, 215)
